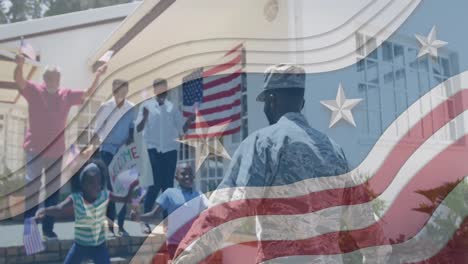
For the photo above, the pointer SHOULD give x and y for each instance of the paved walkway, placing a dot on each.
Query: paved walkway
(11, 232)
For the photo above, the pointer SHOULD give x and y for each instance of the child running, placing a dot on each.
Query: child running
(179, 221)
(89, 201)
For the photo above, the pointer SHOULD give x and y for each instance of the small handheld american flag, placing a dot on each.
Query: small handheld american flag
(72, 154)
(107, 56)
(28, 50)
(31, 237)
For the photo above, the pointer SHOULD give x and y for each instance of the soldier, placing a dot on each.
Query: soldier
(287, 152)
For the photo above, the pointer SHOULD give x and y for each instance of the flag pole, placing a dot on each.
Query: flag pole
(243, 88)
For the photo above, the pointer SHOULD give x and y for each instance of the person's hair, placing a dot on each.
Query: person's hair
(159, 81)
(76, 181)
(119, 83)
(184, 165)
(52, 69)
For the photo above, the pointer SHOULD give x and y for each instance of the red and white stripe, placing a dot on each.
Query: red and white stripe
(396, 171)
(222, 89)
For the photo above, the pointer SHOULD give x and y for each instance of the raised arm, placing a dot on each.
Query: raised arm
(182, 123)
(141, 120)
(131, 127)
(130, 138)
(55, 211)
(101, 71)
(188, 122)
(18, 73)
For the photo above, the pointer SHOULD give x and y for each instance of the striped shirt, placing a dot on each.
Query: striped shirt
(90, 219)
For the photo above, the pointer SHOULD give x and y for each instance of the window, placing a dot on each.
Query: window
(13, 130)
(86, 122)
(211, 173)
(392, 78)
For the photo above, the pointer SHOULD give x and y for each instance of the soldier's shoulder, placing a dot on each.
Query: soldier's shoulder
(266, 134)
(107, 103)
(129, 103)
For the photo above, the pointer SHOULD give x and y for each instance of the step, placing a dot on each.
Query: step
(114, 260)
(120, 249)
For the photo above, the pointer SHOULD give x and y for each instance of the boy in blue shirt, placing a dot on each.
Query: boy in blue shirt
(182, 203)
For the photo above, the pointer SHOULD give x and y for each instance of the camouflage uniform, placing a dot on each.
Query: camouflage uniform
(286, 153)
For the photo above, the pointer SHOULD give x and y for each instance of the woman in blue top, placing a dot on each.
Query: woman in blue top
(89, 201)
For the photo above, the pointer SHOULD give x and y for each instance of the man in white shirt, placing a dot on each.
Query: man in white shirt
(114, 128)
(162, 123)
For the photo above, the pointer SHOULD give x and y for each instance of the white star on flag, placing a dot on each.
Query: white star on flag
(205, 146)
(430, 44)
(341, 107)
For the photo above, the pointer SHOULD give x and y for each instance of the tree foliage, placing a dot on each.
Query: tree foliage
(58, 7)
(18, 10)
(3, 13)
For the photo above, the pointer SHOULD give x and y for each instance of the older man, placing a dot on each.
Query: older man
(49, 105)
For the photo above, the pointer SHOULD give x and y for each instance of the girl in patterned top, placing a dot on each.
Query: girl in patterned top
(90, 203)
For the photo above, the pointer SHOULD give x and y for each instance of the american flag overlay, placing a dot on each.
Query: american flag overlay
(399, 113)
(309, 215)
(215, 95)
(346, 125)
